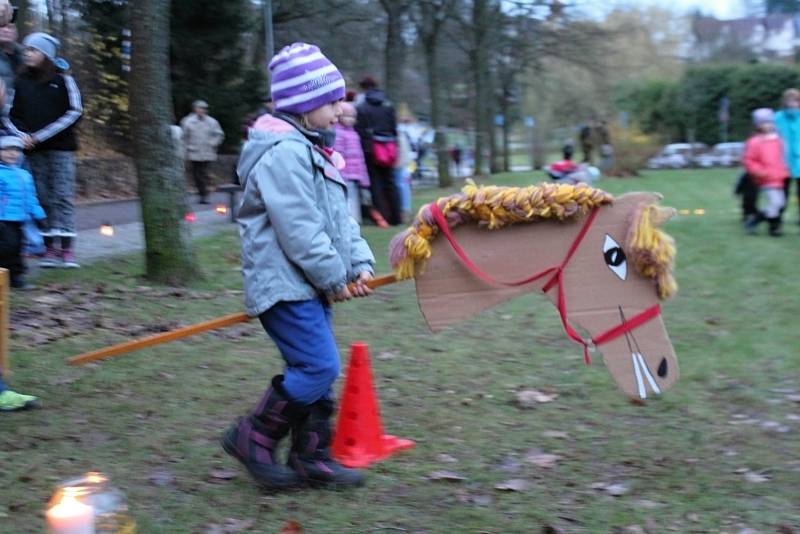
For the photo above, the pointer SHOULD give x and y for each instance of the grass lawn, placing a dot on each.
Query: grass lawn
(718, 453)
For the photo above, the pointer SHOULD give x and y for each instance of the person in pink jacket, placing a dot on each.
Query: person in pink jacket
(764, 160)
(348, 144)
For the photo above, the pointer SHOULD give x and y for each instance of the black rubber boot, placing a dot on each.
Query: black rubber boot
(775, 227)
(751, 222)
(310, 456)
(254, 439)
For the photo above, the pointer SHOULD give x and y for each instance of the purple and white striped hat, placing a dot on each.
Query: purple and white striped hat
(303, 79)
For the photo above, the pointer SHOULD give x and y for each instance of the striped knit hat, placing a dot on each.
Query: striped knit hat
(303, 79)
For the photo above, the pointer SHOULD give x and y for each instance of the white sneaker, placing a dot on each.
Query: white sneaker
(50, 260)
(68, 260)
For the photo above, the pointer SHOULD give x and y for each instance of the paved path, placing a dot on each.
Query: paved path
(125, 218)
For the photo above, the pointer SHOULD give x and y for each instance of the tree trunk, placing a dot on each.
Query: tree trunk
(158, 167)
(51, 17)
(431, 62)
(394, 50)
(494, 151)
(480, 69)
(25, 22)
(63, 29)
(506, 133)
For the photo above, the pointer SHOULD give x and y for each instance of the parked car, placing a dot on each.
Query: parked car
(722, 155)
(676, 156)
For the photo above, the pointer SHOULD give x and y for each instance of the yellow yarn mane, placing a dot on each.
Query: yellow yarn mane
(651, 250)
(494, 207)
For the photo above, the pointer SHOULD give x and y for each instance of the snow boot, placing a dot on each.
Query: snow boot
(254, 439)
(311, 457)
(775, 227)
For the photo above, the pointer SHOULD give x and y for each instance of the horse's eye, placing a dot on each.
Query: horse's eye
(615, 257)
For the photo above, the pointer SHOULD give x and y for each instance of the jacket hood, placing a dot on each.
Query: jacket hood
(268, 131)
(375, 97)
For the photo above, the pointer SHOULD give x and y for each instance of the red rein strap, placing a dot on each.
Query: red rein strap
(556, 280)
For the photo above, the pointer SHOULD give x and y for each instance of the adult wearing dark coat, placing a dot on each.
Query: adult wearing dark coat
(377, 118)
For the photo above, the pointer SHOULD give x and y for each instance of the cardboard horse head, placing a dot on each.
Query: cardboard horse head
(603, 262)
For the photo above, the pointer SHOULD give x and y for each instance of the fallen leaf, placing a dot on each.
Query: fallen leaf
(217, 475)
(555, 434)
(529, 398)
(482, 499)
(386, 356)
(447, 476)
(238, 525)
(648, 505)
(515, 484)
(552, 529)
(477, 499)
(793, 398)
(756, 478)
(291, 527)
(161, 478)
(616, 490)
(446, 459)
(633, 529)
(542, 459)
(774, 426)
(510, 464)
(50, 300)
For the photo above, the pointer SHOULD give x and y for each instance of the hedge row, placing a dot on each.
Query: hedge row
(673, 110)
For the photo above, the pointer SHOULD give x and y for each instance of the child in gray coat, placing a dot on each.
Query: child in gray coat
(300, 248)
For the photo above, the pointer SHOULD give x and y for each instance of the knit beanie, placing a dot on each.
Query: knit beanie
(303, 79)
(44, 43)
(762, 115)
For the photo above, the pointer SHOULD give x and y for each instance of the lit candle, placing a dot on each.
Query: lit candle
(107, 230)
(222, 209)
(70, 516)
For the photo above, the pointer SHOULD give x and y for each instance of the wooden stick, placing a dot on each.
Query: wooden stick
(5, 310)
(186, 331)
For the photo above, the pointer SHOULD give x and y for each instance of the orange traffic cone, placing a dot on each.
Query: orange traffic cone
(359, 439)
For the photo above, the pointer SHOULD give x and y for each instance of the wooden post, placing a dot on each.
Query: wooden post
(5, 366)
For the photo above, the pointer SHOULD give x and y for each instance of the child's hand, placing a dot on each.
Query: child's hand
(360, 288)
(340, 296)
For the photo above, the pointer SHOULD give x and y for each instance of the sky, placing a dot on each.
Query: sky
(719, 8)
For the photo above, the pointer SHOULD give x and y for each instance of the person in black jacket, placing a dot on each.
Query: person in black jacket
(377, 123)
(46, 108)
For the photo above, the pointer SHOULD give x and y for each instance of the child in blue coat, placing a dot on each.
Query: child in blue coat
(18, 203)
(300, 248)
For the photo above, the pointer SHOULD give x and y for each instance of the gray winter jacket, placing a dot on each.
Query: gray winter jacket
(298, 239)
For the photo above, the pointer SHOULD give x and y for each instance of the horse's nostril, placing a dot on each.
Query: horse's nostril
(662, 368)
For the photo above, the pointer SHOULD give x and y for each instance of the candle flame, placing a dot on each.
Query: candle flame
(222, 209)
(700, 211)
(95, 477)
(684, 212)
(107, 230)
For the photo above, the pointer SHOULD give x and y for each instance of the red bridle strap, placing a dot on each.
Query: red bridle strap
(556, 280)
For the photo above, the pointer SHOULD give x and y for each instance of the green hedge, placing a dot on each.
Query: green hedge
(673, 110)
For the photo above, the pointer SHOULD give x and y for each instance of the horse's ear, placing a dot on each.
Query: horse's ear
(630, 201)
